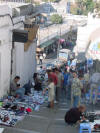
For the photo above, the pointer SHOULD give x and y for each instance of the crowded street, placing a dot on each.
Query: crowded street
(46, 119)
(49, 66)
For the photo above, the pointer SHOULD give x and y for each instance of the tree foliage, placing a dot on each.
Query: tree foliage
(84, 7)
(56, 19)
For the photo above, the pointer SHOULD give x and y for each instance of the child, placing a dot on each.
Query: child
(51, 93)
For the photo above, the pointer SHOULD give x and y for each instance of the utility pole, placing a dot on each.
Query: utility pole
(58, 43)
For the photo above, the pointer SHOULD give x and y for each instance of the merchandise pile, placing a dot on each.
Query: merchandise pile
(13, 109)
(93, 118)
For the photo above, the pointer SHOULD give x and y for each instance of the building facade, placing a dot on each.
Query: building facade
(5, 49)
(88, 38)
(16, 58)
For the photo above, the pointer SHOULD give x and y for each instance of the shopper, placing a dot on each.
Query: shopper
(41, 60)
(51, 93)
(65, 84)
(76, 90)
(59, 84)
(44, 55)
(86, 82)
(70, 80)
(94, 85)
(51, 74)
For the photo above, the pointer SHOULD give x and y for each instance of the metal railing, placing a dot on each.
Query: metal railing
(17, 1)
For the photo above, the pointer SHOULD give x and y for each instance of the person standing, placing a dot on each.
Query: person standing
(94, 85)
(51, 74)
(51, 93)
(41, 60)
(13, 85)
(70, 80)
(65, 83)
(86, 82)
(44, 55)
(59, 84)
(76, 90)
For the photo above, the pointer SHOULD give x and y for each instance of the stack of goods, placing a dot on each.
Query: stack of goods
(8, 118)
(94, 120)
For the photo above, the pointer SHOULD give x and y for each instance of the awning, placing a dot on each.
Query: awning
(57, 37)
(46, 44)
(32, 32)
(44, 14)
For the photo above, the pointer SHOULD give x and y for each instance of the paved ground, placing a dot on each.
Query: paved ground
(44, 121)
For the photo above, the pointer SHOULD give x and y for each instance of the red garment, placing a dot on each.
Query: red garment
(29, 110)
(54, 77)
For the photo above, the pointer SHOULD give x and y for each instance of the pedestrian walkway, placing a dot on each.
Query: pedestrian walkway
(44, 121)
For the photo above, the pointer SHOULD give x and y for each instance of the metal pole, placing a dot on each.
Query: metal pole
(58, 44)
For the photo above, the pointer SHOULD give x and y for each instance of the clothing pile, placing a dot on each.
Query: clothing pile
(13, 109)
(94, 120)
(8, 118)
(33, 101)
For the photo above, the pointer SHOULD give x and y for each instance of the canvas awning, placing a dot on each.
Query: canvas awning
(32, 32)
(47, 43)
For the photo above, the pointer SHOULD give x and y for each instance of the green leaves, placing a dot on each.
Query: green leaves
(84, 6)
(56, 19)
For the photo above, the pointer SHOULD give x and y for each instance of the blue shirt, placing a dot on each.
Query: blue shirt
(65, 78)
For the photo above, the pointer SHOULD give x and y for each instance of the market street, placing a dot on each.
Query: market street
(45, 121)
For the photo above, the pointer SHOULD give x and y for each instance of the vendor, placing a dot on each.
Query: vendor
(20, 92)
(38, 85)
(75, 115)
(13, 85)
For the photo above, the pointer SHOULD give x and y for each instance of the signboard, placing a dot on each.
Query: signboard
(68, 7)
(95, 47)
(63, 56)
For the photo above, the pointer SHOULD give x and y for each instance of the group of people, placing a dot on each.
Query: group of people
(19, 91)
(65, 83)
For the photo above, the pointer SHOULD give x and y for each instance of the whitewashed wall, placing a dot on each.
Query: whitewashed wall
(5, 50)
(84, 33)
(25, 62)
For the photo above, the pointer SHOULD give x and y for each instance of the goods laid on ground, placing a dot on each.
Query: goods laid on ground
(93, 121)
(13, 110)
